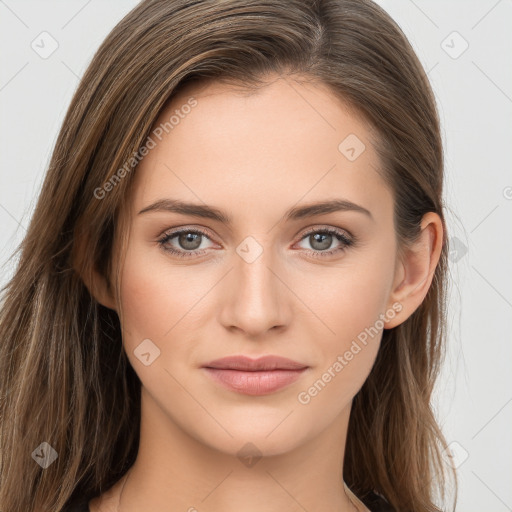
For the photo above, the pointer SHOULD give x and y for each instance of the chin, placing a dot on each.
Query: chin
(248, 441)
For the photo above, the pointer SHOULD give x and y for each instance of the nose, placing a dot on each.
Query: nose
(254, 296)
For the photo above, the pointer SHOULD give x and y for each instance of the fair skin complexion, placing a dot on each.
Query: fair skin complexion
(254, 158)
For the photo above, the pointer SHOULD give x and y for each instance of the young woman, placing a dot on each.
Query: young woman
(232, 292)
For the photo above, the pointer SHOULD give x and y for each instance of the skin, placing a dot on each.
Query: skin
(254, 157)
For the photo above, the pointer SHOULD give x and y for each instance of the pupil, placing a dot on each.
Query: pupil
(324, 239)
(190, 241)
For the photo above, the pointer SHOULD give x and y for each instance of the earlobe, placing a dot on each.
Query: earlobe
(415, 273)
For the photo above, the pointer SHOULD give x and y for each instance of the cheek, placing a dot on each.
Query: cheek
(359, 306)
(160, 301)
(149, 298)
(351, 302)
(348, 347)
(143, 307)
(350, 298)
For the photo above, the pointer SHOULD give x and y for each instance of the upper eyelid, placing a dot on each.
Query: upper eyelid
(171, 232)
(327, 228)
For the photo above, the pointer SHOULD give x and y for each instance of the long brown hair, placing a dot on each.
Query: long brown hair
(65, 379)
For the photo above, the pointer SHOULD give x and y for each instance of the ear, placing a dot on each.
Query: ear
(94, 281)
(414, 273)
(99, 288)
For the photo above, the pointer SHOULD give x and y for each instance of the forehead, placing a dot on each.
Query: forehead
(262, 151)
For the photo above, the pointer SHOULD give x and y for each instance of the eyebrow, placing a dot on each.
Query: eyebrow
(297, 213)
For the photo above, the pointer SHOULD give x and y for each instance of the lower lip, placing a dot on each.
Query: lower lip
(254, 383)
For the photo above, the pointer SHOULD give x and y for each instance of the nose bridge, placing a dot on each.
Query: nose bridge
(256, 299)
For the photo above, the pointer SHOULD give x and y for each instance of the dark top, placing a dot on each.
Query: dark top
(374, 503)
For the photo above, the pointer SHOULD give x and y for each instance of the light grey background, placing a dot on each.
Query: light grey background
(474, 93)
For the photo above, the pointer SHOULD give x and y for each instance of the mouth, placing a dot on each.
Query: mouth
(248, 376)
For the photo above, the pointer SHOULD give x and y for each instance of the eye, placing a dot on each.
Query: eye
(320, 240)
(187, 243)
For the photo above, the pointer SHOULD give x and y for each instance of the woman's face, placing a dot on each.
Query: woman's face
(257, 269)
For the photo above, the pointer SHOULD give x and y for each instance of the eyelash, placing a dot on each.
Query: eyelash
(340, 236)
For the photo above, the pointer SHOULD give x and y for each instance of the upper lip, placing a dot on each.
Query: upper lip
(244, 363)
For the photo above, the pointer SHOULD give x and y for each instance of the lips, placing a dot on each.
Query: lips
(254, 376)
(247, 364)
